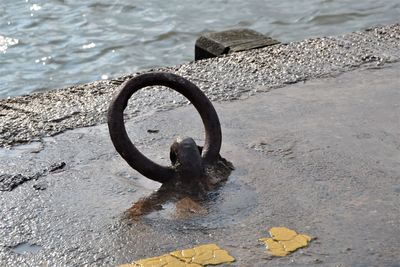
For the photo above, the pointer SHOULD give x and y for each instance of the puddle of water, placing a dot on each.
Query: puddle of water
(226, 206)
(16, 151)
(138, 180)
(26, 247)
(397, 189)
(232, 204)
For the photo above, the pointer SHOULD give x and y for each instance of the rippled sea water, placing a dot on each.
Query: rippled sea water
(55, 43)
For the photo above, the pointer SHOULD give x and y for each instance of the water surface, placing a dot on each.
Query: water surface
(52, 44)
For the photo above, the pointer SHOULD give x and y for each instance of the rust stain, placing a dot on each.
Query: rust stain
(186, 207)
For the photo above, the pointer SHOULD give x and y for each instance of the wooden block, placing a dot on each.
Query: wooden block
(219, 43)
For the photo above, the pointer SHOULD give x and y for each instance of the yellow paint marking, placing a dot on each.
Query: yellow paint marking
(298, 241)
(163, 261)
(209, 254)
(282, 233)
(275, 248)
(284, 241)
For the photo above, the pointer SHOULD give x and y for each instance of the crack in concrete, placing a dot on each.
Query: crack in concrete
(9, 182)
(8, 107)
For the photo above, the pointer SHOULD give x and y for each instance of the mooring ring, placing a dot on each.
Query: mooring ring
(131, 154)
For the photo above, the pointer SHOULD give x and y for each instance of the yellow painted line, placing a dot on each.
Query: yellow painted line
(209, 254)
(284, 241)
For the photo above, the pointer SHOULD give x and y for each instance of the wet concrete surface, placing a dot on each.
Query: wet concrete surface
(238, 75)
(321, 157)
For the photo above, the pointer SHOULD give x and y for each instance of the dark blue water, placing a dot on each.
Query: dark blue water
(55, 43)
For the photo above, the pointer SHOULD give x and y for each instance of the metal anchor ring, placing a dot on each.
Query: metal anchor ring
(131, 154)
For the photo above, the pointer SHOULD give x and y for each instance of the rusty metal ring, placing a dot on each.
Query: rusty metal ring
(124, 145)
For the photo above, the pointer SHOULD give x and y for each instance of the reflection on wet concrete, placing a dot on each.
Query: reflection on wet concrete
(187, 193)
(26, 247)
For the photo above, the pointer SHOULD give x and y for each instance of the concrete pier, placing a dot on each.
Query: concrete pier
(241, 74)
(312, 128)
